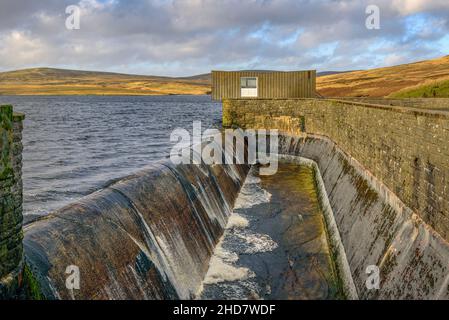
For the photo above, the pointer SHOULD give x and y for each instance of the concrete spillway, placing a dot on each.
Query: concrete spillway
(370, 226)
(275, 245)
(154, 234)
(148, 236)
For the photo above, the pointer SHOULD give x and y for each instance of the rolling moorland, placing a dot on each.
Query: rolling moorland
(421, 79)
(48, 81)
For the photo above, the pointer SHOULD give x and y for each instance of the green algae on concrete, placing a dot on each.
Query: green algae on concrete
(11, 235)
(282, 250)
(31, 289)
(6, 118)
(382, 138)
(311, 273)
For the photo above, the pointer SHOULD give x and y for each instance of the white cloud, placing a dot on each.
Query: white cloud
(18, 48)
(394, 59)
(406, 7)
(178, 37)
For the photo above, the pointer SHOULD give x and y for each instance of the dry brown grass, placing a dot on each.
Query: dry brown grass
(46, 81)
(380, 82)
(383, 82)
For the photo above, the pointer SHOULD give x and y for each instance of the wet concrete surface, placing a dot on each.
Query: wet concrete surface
(281, 251)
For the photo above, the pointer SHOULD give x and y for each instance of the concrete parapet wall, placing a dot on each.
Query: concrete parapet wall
(426, 103)
(373, 228)
(407, 149)
(11, 251)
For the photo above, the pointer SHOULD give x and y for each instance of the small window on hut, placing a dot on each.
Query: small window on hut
(248, 87)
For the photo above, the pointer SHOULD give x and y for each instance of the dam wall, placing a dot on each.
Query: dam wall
(424, 103)
(147, 236)
(11, 250)
(369, 226)
(381, 171)
(407, 149)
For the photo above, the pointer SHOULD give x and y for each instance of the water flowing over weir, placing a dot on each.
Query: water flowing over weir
(154, 235)
(148, 236)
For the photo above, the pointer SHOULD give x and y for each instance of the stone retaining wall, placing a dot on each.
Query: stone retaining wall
(11, 250)
(407, 149)
(426, 103)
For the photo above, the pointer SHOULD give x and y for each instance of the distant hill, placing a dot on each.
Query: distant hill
(205, 78)
(421, 79)
(328, 73)
(413, 79)
(48, 81)
(208, 76)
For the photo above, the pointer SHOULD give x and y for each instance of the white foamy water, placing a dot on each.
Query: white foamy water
(252, 193)
(257, 243)
(222, 268)
(236, 221)
(232, 280)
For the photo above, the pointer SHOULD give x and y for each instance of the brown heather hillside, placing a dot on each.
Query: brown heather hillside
(47, 81)
(426, 78)
(384, 82)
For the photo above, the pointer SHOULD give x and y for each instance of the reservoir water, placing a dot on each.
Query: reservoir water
(73, 145)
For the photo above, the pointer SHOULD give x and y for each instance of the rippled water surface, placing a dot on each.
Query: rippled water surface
(75, 145)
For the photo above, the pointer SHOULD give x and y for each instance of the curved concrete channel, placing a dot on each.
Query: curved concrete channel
(184, 231)
(275, 245)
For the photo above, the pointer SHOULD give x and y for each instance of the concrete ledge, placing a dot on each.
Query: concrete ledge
(376, 227)
(18, 117)
(400, 109)
(405, 148)
(333, 235)
(423, 103)
(396, 108)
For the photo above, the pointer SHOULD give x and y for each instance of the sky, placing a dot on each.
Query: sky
(187, 37)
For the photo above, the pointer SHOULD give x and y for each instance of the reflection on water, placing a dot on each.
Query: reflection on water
(75, 145)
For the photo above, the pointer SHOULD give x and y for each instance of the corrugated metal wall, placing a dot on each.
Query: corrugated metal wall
(294, 84)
